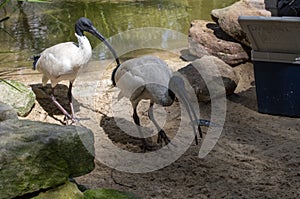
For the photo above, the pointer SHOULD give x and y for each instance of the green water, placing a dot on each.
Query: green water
(33, 27)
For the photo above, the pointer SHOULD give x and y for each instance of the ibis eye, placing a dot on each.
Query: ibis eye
(87, 25)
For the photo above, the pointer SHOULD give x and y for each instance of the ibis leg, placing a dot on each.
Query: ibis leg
(58, 105)
(200, 131)
(71, 100)
(136, 120)
(161, 133)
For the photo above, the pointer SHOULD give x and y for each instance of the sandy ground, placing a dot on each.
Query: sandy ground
(256, 156)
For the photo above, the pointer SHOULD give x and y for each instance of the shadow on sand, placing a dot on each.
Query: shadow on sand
(60, 92)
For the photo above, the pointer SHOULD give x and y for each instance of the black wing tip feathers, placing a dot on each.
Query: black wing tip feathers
(35, 59)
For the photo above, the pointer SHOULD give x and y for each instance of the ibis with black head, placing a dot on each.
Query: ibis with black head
(63, 61)
(149, 77)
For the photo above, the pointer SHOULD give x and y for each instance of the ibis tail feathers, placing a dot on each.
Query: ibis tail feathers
(35, 60)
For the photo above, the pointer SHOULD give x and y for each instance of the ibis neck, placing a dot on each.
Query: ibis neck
(78, 30)
(85, 47)
(171, 94)
(83, 41)
(114, 74)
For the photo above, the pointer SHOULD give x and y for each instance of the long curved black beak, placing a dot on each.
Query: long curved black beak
(179, 89)
(95, 32)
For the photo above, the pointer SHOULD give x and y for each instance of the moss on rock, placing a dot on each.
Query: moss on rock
(36, 156)
(108, 194)
(17, 95)
(68, 190)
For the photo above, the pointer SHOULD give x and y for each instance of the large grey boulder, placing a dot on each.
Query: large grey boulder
(104, 193)
(227, 18)
(67, 190)
(207, 38)
(70, 190)
(7, 112)
(36, 155)
(17, 95)
(210, 78)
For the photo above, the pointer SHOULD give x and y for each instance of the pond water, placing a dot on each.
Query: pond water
(33, 27)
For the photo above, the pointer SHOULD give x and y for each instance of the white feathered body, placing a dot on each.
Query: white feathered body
(145, 77)
(63, 61)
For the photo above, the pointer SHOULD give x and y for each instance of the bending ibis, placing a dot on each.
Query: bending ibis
(63, 61)
(150, 78)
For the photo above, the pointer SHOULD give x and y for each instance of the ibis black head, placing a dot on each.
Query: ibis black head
(84, 24)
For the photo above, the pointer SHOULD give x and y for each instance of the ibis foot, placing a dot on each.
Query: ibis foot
(162, 136)
(148, 146)
(70, 120)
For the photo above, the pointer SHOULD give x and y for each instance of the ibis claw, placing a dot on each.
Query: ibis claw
(162, 136)
(148, 147)
(70, 120)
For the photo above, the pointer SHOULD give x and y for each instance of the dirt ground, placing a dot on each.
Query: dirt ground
(256, 156)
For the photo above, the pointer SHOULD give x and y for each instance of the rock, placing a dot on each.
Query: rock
(108, 194)
(245, 73)
(259, 4)
(206, 38)
(211, 68)
(227, 18)
(68, 190)
(17, 95)
(7, 112)
(36, 155)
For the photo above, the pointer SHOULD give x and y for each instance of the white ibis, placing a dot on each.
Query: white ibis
(150, 78)
(63, 61)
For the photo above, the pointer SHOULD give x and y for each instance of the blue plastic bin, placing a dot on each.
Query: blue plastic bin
(277, 88)
(276, 59)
